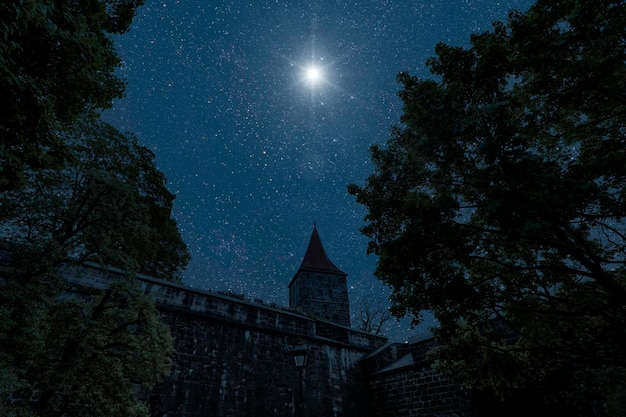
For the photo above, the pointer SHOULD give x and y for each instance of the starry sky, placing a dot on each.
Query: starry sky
(257, 151)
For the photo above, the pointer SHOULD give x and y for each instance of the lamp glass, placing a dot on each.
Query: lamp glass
(299, 356)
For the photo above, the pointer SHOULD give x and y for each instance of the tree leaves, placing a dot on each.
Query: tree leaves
(109, 206)
(57, 61)
(75, 190)
(95, 349)
(68, 349)
(502, 195)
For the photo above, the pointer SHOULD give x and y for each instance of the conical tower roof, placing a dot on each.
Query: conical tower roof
(315, 258)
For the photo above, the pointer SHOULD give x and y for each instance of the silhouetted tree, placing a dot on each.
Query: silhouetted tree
(68, 349)
(57, 61)
(75, 190)
(371, 317)
(87, 355)
(109, 205)
(499, 204)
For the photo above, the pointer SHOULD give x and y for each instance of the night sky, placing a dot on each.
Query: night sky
(254, 149)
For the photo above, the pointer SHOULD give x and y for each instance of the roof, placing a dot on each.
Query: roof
(315, 258)
(404, 361)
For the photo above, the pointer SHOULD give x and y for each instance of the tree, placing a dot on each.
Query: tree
(372, 318)
(110, 205)
(82, 355)
(88, 356)
(74, 190)
(499, 204)
(56, 62)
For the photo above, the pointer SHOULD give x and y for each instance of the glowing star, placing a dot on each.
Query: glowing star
(313, 75)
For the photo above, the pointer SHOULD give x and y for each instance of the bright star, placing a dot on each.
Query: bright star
(313, 75)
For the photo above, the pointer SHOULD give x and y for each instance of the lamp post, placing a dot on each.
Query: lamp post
(300, 356)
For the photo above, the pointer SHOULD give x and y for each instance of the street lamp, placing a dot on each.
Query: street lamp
(300, 356)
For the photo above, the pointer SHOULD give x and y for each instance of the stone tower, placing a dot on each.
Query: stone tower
(319, 288)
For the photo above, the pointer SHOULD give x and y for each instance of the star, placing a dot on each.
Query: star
(313, 75)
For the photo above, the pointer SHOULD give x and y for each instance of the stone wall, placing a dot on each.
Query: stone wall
(232, 357)
(409, 387)
(417, 392)
(226, 370)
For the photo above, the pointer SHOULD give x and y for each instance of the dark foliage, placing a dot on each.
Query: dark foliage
(502, 195)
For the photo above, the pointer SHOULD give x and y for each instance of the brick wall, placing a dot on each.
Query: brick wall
(226, 370)
(232, 357)
(408, 386)
(417, 392)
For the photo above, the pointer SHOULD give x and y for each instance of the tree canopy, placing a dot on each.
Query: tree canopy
(57, 61)
(74, 192)
(77, 350)
(87, 355)
(109, 205)
(498, 203)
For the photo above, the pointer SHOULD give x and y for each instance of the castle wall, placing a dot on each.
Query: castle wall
(417, 392)
(409, 387)
(225, 370)
(232, 357)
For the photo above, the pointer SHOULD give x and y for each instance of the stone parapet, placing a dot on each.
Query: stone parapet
(175, 297)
